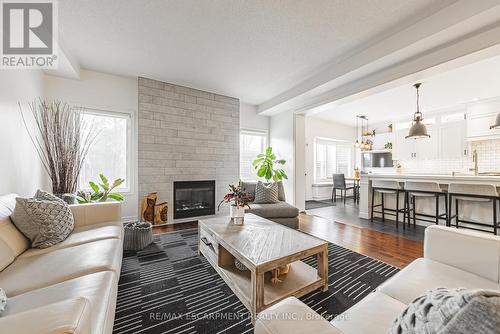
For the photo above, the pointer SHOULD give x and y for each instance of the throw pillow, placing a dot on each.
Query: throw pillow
(266, 193)
(3, 300)
(45, 196)
(44, 221)
(448, 311)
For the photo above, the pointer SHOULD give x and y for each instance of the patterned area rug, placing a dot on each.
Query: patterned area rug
(168, 288)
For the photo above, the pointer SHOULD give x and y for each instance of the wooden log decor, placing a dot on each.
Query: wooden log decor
(161, 213)
(148, 207)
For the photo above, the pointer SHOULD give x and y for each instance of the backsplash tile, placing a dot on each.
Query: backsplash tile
(488, 152)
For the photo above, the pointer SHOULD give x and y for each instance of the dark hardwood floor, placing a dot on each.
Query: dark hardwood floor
(387, 247)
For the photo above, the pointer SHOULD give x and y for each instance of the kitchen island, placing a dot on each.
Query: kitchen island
(480, 212)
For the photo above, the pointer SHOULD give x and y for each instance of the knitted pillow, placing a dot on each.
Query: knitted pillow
(45, 219)
(447, 311)
(266, 193)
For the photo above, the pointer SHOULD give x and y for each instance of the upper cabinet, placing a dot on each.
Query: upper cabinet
(452, 142)
(479, 119)
(402, 148)
(447, 141)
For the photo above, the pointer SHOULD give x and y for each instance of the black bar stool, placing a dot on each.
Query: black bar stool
(385, 187)
(425, 190)
(463, 193)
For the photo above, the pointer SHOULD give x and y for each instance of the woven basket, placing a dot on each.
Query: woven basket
(137, 236)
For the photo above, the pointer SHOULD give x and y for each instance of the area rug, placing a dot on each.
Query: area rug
(318, 204)
(168, 288)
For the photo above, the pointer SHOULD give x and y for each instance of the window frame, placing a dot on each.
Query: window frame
(130, 167)
(336, 142)
(250, 131)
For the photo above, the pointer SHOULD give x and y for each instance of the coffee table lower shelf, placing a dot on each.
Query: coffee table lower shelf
(300, 280)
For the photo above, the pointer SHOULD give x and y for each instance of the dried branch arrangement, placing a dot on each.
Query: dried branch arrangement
(62, 139)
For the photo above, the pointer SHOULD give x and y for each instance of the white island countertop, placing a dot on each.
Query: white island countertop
(440, 178)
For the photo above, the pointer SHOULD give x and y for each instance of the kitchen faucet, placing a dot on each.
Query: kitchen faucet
(476, 163)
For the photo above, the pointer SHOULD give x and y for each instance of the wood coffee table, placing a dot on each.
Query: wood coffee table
(262, 245)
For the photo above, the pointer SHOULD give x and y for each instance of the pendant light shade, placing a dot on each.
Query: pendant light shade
(418, 129)
(497, 123)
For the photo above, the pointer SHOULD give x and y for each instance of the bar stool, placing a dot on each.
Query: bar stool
(424, 190)
(473, 193)
(387, 187)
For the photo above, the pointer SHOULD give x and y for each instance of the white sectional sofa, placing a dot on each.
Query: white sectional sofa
(452, 258)
(70, 287)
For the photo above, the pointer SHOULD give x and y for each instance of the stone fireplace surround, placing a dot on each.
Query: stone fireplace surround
(185, 135)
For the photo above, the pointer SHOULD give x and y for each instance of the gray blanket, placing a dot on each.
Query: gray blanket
(451, 311)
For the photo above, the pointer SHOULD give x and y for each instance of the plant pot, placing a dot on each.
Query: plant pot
(67, 197)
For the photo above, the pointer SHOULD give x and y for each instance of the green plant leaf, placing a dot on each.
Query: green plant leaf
(262, 171)
(94, 186)
(104, 179)
(81, 200)
(116, 196)
(269, 150)
(117, 182)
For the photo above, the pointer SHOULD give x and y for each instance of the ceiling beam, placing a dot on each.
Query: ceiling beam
(459, 29)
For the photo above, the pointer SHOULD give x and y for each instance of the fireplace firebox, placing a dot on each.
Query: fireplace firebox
(194, 198)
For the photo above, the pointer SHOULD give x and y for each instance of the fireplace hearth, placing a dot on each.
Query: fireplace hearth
(194, 198)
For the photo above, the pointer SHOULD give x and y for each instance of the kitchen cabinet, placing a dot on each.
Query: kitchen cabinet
(452, 144)
(478, 125)
(428, 148)
(403, 149)
(410, 149)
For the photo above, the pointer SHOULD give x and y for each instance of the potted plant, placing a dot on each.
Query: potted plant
(265, 164)
(101, 192)
(238, 198)
(62, 139)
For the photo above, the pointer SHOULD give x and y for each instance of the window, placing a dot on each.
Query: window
(331, 156)
(251, 144)
(110, 153)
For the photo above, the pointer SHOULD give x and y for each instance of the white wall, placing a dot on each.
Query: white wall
(316, 127)
(107, 92)
(250, 120)
(282, 140)
(21, 171)
(300, 162)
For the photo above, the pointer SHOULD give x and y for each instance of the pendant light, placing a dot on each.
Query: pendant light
(497, 123)
(418, 129)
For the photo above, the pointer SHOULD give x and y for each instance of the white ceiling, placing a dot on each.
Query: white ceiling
(253, 50)
(448, 90)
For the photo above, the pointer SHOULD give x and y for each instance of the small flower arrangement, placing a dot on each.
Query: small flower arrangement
(237, 196)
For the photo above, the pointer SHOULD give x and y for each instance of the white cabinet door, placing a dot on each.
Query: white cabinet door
(478, 126)
(452, 140)
(428, 148)
(403, 149)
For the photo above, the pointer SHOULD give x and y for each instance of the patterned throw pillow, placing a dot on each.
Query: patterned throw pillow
(266, 193)
(46, 220)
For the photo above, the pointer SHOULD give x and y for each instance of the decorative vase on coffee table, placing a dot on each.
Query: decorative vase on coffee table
(237, 214)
